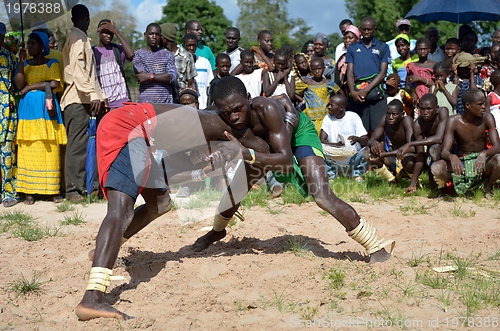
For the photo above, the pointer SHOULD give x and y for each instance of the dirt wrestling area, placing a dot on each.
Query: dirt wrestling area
(285, 267)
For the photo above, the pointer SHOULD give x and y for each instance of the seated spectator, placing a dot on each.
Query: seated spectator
(343, 137)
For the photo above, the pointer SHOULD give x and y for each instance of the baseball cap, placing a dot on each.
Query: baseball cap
(402, 21)
(3, 28)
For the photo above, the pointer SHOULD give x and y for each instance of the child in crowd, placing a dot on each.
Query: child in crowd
(493, 100)
(301, 71)
(318, 92)
(252, 78)
(402, 42)
(420, 76)
(203, 68)
(189, 97)
(394, 92)
(446, 92)
(466, 75)
(223, 65)
(280, 80)
(264, 53)
(489, 67)
(451, 48)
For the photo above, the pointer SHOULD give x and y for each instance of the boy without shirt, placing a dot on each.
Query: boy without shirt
(474, 161)
(428, 130)
(393, 131)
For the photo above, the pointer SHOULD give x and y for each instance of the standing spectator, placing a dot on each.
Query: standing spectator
(367, 62)
(53, 42)
(233, 49)
(184, 61)
(196, 28)
(342, 48)
(223, 63)
(402, 26)
(264, 53)
(83, 96)
(251, 78)
(436, 53)
(203, 69)
(495, 37)
(40, 130)
(321, 44)
(8, 122)
(110, 59)
(154, 68)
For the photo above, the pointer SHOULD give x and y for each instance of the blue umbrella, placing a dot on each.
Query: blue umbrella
(90, 162)
(456, 11)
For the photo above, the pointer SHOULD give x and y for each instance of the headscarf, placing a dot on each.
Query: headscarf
(323, 38)
(353, 29)
(45, 41)
(402, 36)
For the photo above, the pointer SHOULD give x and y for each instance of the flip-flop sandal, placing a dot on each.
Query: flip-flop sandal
(9, 202)
(58, 199)
(183, 193)
(29, 200)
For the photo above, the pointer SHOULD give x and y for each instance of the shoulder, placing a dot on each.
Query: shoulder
(489, 120)
(442, 113)
(408, 121)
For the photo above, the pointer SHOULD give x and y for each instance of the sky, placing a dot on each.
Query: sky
(326, 18)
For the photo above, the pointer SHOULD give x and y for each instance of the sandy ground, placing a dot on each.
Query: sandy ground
(251, 280)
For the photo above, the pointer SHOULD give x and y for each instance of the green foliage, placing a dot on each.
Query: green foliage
(335, 278)
(272, 15)
(210, 15)
(387, 12)
(75, 219)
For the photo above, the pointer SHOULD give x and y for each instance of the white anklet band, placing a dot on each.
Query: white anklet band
(366, 235)
(220, 222)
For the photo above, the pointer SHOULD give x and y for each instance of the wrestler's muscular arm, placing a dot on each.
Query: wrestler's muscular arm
(489, 123)
(269, 124)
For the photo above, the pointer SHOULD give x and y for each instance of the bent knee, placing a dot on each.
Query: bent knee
(438, 168)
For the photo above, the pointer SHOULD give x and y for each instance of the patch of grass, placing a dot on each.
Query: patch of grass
(463, 264)
(35, 233)
(432, 279)
(417, 257)
(379, 188)
(414, 208)
(258, 197)
(74, 219)
(188, 220)
(347, 188)
(308, 313)
(65, 206)
(444, 296)
(458, 211)
(14, 219)
(495, 256)
(357, 198)
(290, 195)
(396, 319)
(335, 278)
(280, 301)
(276, 210)
(25, 287)
(297, 247)
(408, 289)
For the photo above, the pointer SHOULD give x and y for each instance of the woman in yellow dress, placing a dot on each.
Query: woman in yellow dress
(40, 129)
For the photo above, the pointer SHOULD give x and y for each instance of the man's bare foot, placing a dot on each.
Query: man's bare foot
(276, 191)
(208, 239)
(379, 256)
(88, 311)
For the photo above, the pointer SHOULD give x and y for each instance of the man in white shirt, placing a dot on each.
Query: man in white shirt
(233, 49)
(343, 137)
(203, 69)
(436, 53)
